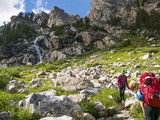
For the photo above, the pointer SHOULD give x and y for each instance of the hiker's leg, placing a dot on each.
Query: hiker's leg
(156, 113)
(120, 92)
(123, 90)
(148, 111)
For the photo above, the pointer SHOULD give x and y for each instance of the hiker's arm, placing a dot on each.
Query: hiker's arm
(141, 103)
(118, 82)
(127, 83)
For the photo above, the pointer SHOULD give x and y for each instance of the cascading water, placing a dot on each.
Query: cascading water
(38, 49)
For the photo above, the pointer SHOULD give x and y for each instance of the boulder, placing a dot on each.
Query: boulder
(90, 91)
(5, 115)
(77, 98)
(53, 55)
(102, 80)
(99, 44)
(36, 83)
(99, 106)
(111, 85)
(137, 66)
(110, 40)
(86, 37)
(72, 83)
(58, 118)
(14, 85)
(39, 84)
(88, 116)
(52, 76)
(56, 43)
(130, 93)
(111, 110)
(17, 84)
(131, 53)
(151, 39)
(121, 65)
(56, 105)
(23, 91)
(41, 73)
(11, 89)
(123, 115)
(50, 93)
(130, 101)
(146, 56)
(135, 74)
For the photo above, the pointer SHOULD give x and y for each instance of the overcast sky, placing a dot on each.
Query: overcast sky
(9, 8)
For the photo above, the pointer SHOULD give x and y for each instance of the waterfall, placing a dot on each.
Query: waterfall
(38, 49)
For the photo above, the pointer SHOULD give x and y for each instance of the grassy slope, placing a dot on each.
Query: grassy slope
(92, 58)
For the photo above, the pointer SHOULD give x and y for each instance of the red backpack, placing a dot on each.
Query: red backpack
(151, 91)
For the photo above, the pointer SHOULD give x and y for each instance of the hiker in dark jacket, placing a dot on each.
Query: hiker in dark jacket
(122, 83)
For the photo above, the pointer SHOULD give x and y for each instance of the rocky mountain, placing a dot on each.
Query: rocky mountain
(53, 42)
(80, 87)
(125, 10)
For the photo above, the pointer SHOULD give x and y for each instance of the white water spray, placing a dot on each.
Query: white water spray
(38, 49)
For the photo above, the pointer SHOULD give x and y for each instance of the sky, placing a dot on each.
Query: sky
(9, 8)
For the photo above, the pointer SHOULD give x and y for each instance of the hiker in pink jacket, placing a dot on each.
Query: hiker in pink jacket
(121, 84)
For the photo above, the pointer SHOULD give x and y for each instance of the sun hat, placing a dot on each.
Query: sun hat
(122, 71)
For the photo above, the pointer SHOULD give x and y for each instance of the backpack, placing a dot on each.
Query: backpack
(151, 91)
(122, 81)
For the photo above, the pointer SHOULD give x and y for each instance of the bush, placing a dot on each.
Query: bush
(93, 64)
(71, 33)
(148, 21)
(89, 108)
(120, 44)
(114, 21)
(151, 50)
(4, 80)
(141, 18)
(137, 112)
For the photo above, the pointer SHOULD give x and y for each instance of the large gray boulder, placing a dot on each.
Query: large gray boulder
(72, 83)
(56, 105)
(78, 98)
(90, 91)
(14, 85)
(130, 101)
